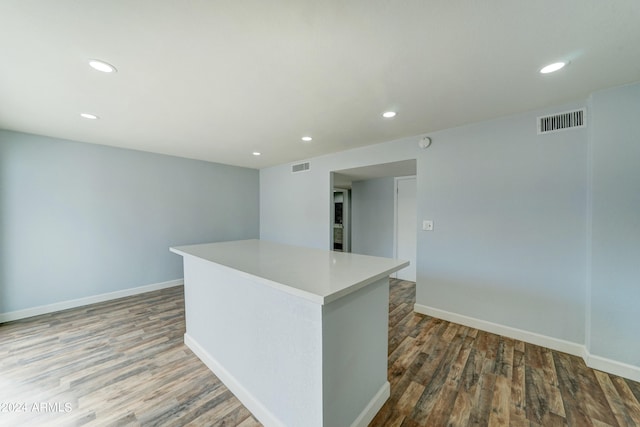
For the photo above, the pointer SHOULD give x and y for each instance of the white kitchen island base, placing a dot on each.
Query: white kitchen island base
(295, 354)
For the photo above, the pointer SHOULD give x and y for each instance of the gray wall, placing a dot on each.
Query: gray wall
(509, 206)
(509, 246)
(80, 220)
(372, 213)
(538, 233)
(615, 266)
(296, 208)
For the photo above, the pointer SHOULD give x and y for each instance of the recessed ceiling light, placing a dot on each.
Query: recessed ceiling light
(307, 138)
(102, 66)
(552, 67)
(89, 116)
(256, 153)
(389, 114)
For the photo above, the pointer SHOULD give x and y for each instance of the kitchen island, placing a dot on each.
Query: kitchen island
(299, 335)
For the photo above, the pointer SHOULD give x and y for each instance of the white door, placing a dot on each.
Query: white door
(406, 226)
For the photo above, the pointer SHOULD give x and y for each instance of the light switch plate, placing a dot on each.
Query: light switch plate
(427, 225)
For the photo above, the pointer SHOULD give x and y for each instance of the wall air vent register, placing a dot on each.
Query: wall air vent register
(300, 167)
(562, 121)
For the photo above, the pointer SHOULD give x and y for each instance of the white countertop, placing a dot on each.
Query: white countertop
(317, 275)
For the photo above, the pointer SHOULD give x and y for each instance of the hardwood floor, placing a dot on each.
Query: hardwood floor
(123, 363)
(119, 363)
(444, 374)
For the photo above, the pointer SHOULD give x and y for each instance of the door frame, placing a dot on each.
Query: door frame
(395, 217)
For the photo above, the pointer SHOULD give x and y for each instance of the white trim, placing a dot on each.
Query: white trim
(253, 405)
(395, 217)
(507, 331)
(595, 362)
(612, 367)
(65, 305)
(372, 408)
(395, 222)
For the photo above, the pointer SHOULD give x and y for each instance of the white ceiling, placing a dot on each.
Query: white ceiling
(217, 80)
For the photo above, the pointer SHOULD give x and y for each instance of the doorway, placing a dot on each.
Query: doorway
(341, 220)
(373, 220)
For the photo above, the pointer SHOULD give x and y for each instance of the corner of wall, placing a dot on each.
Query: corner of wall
(576, 349)
(589, 226)
(611, 366)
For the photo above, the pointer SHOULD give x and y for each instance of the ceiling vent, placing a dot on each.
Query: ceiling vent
(562, 121)
(300, 167)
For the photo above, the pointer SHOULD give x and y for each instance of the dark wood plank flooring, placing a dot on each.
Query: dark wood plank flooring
(118, 363)
(445, 374)
(123, 363)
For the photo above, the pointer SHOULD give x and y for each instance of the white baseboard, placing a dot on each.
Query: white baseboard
(253, 405)
(65, 305)
(370, 411)
(507, 331)
(595, 362)
(612, 367)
